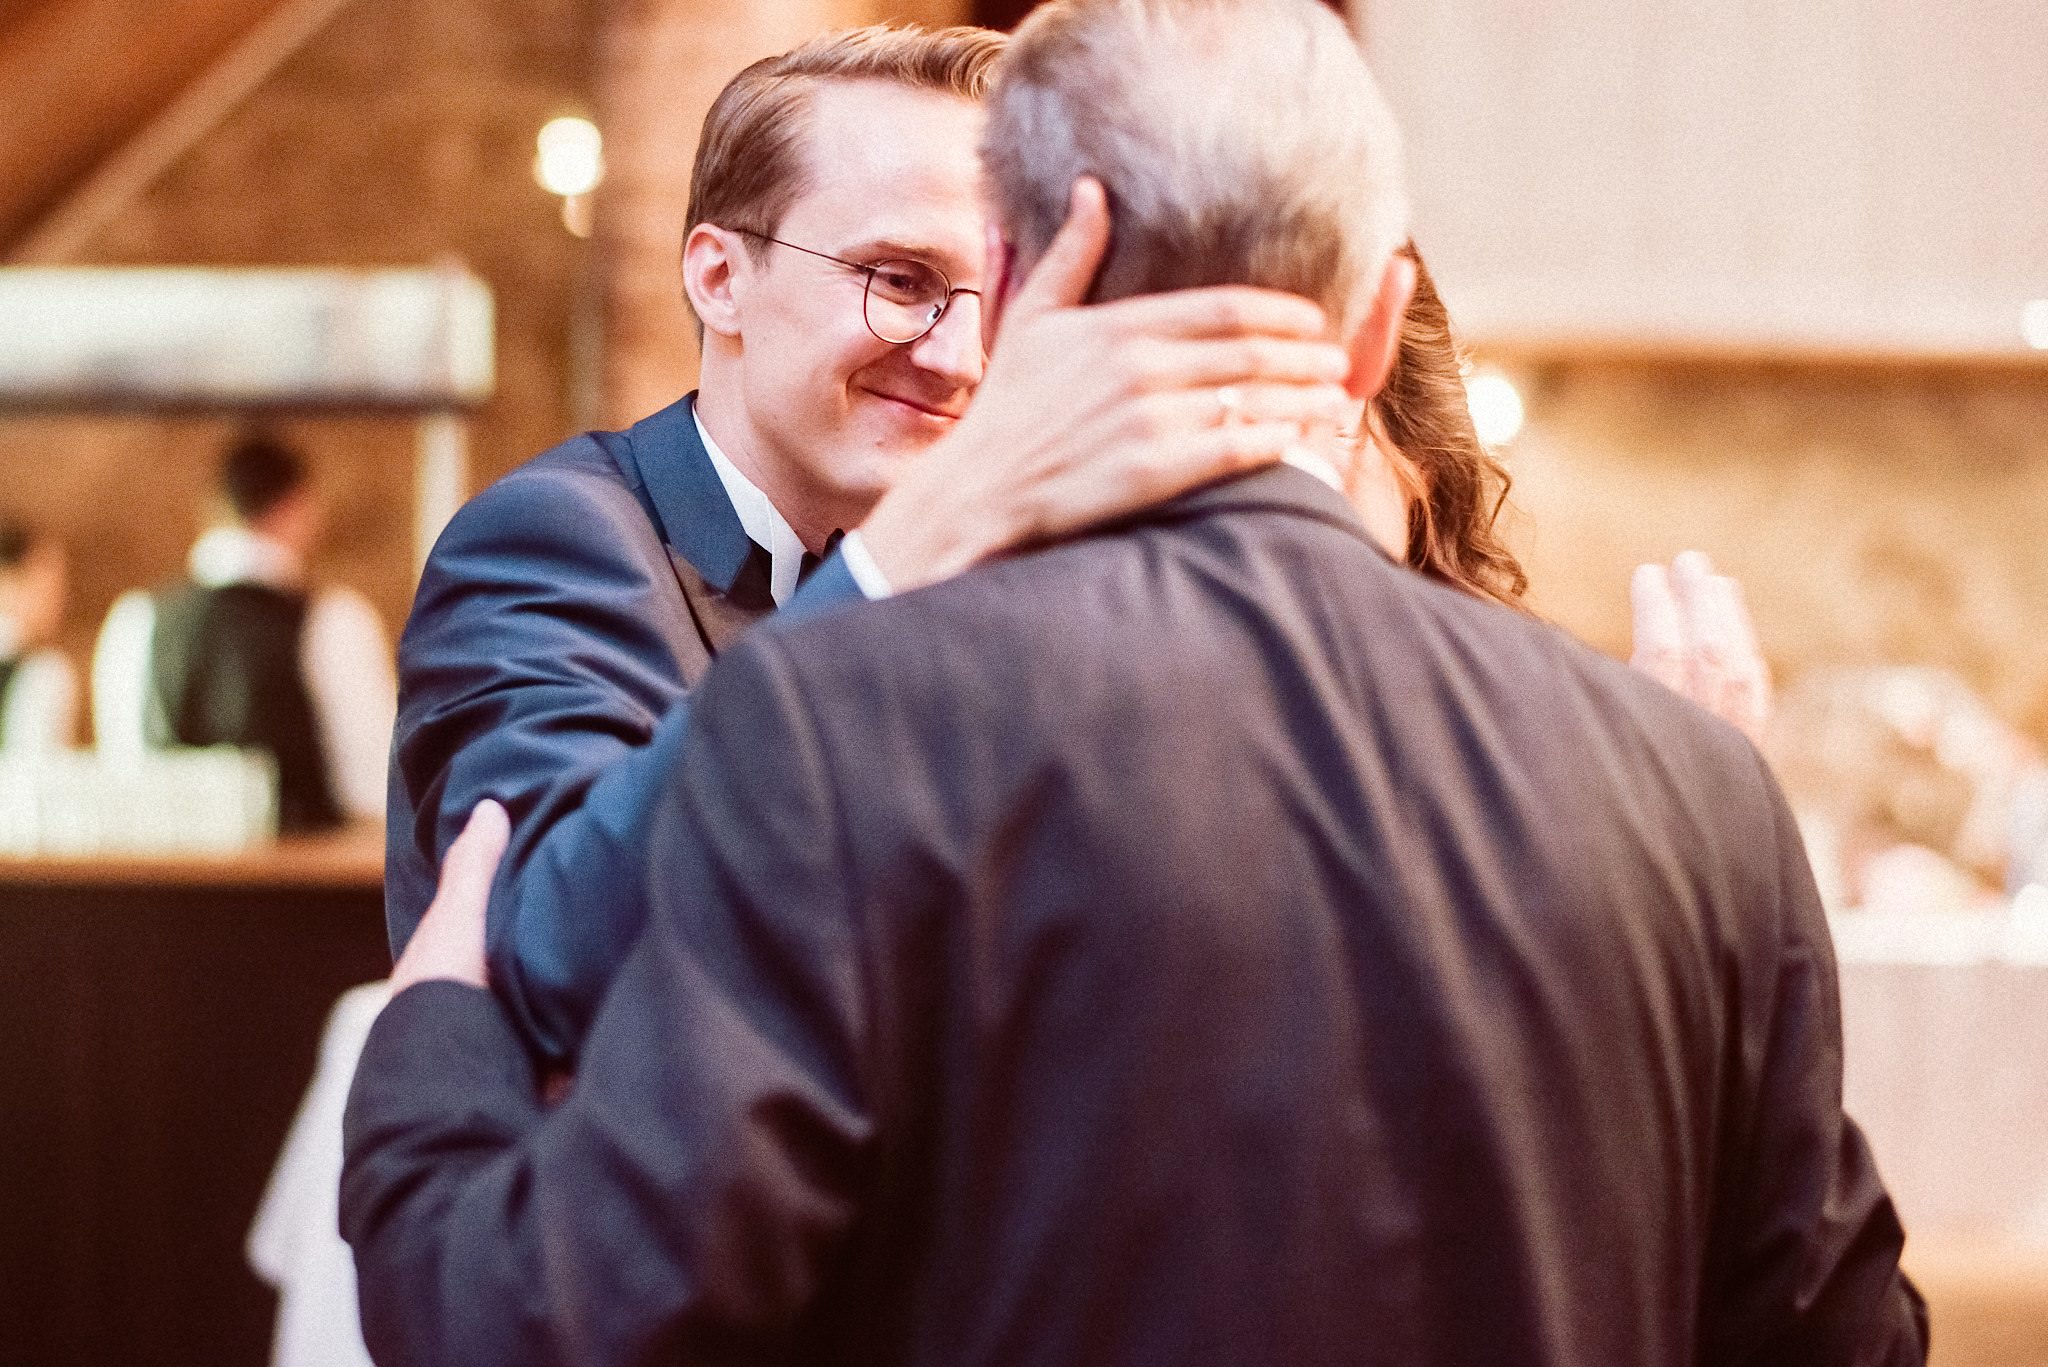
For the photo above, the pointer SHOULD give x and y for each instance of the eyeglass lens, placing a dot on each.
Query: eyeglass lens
(905, 299)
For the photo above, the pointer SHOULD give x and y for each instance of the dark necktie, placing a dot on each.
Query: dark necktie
(750, 586)
(810, 562)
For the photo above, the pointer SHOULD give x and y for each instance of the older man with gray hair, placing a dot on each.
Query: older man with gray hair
(1198, 942)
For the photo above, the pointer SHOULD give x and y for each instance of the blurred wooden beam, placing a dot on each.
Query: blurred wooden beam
(78, 78)
(94, 339)
(269, 33)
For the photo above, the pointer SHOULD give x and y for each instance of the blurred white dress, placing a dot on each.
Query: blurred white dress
(296, 1243)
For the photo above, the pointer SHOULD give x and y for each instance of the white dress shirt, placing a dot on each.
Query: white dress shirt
(766, 526)
(344, 658)
(40, 706)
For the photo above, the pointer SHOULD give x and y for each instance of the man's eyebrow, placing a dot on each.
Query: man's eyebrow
(890, 248)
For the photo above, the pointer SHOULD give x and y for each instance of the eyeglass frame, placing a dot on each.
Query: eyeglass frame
(868, 285)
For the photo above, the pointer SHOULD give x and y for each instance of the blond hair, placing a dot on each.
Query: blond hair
(750, 163)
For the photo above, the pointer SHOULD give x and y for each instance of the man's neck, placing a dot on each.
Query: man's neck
(809, 511)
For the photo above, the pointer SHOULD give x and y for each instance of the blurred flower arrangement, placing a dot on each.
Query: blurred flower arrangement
(1911, 793)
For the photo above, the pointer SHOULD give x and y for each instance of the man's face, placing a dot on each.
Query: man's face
(893, 174)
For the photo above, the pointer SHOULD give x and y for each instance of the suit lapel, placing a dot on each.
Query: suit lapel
(707, 547)
(721, 616)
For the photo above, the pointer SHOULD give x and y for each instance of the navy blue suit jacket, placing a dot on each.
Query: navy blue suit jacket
(1204, 944)
(559, 623)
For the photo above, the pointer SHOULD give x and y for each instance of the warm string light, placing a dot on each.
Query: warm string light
(568, 161)
(1496, 407)
(2034, 324)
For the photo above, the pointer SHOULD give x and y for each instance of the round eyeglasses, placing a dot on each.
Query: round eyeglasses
(904, 299)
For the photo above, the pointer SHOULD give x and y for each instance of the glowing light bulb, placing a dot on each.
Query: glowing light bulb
(1496, 406)
(569, 156)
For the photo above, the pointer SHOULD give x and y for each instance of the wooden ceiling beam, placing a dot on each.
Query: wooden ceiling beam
(82, 76)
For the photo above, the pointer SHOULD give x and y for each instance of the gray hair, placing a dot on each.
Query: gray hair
(1241, 142)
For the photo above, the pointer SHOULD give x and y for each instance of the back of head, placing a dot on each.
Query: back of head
(257, 474)
(751, 164)
(17, 540)
(1241, 142)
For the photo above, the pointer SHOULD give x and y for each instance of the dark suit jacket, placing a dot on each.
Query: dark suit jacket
(1204, 943)
(559, 623)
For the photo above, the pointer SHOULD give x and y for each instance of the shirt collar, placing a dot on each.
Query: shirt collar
(766, 526)
(1302, 458)
(237, 555)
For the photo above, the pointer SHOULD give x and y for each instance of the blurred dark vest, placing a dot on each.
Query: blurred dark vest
(224, 670)
(9, 667)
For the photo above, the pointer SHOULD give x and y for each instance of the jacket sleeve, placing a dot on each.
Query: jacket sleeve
(538, 669)
(1805, 1272)
(682, 1202)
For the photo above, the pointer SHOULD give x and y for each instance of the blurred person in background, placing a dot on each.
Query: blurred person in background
(38, 687)
(245, 652)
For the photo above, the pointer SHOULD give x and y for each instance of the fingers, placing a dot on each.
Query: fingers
(1724, 645)
(1062, 276)
(1659, 628)
(472, 860)
(1203, 455)
(1694, 635)
(1238, 360)
(1706, 646)
(1151, 467)
(449, 940)
(1200, 406)
(1220, 311)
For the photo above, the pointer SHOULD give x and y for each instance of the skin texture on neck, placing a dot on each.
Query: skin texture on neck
(814, 508)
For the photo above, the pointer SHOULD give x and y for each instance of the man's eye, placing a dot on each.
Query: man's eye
(904, 281)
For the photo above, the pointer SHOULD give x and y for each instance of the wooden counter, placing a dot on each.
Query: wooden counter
(349, 859)
(158, 1026)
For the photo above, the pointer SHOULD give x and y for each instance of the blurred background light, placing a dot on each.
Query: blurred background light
(569, 156)
(2034, 324)
(1496, 406)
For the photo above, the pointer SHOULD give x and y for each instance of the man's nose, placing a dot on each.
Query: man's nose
(952, 349)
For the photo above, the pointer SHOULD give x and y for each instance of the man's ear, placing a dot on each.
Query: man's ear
(1378, 338)
(710, 263)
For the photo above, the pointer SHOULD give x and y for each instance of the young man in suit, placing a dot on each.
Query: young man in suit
(834, 259)
(1202, 941)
